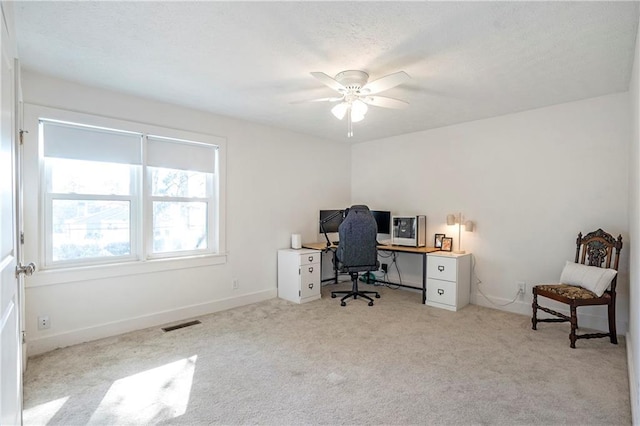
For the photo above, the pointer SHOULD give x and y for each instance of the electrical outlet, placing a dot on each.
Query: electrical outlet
(236, 284)
(43, 322)
(384, 267)
(522, 288)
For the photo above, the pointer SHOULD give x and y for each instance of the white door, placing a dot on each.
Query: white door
(10, 300)
(19, 147)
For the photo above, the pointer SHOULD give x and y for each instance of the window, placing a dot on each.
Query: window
(91, 178)
(181, 184)
(113, 195)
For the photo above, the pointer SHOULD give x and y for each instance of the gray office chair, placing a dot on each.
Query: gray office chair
(357, 250)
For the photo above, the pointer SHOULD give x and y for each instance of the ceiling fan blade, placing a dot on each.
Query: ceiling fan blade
(384, 102)
(329, 81)
(385, 83)
(336, 99)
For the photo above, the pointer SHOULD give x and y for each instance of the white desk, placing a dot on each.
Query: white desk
(422, 251)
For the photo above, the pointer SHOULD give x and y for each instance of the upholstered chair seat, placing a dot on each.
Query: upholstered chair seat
(568, 291)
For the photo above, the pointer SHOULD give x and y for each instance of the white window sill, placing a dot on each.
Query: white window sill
(96, 272)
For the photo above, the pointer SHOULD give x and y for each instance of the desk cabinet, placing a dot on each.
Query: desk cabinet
(299, 275)
(448, 280)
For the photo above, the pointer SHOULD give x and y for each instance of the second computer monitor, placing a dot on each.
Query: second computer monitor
(330, 220)
(383, 220)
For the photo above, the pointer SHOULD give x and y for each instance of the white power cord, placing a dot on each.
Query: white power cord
(478, 282)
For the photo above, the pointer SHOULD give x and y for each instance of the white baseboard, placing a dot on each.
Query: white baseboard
(518, 307)
(523, 307)
(633, 382)
(61, 340)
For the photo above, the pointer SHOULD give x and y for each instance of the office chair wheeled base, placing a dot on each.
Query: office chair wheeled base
(354, 292)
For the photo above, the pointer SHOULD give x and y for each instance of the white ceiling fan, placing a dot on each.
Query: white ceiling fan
(356, 93)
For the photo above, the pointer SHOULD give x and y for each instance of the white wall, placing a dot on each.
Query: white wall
(633, 336)
(530, 181)
(276, 183)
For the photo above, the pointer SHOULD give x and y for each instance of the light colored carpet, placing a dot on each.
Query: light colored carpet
(275, 362)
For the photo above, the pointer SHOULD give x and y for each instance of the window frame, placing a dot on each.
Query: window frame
(139, 261)
(212, 198)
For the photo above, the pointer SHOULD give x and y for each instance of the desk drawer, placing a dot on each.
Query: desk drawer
(309, 281)
(441, 292)
(308, 258)
(442, 268)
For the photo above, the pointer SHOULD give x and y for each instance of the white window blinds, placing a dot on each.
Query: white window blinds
(62, 140)
(181, 155)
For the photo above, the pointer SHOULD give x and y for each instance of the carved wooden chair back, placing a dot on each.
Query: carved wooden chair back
(599, 249)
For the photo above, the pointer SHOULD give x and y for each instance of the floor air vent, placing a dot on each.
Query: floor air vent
(183, 325)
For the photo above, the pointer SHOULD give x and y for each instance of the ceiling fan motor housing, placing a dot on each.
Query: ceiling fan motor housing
(352, 79)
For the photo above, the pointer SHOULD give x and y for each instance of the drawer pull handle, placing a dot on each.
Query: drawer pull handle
(310, 258)
(311, 286)
(440, 268)
(440, 291)
(310, 268)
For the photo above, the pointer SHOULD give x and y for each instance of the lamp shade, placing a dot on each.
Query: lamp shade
(468, 226)
(358, 110)
(340, 110)
(451, 219)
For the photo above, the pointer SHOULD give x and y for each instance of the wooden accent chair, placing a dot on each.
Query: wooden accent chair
(596, 249)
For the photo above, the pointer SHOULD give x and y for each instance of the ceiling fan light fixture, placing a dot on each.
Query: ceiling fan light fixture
(356, 118)
(355, 90)
(358, 110)
(340, 110)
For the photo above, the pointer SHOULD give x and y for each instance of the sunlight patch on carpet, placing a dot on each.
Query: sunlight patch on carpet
(159, 393)
(43, 413)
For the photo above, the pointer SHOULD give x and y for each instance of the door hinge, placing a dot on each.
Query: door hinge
(298, 271)
(22, 132)
(299, 293)
(24, 337)
(21, 237)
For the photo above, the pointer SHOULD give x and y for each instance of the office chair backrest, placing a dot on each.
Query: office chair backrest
(357, 249)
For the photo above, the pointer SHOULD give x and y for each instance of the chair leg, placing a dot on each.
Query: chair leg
(574, 325)
(534, 306)
(355, 292)
(613, 335)
(355, 296)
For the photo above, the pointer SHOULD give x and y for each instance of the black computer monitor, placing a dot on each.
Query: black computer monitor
(337, 216)
(383, 220)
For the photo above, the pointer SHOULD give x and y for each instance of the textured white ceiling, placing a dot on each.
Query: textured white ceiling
(251, 60)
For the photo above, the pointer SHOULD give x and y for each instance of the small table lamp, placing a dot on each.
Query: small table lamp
(453, 219)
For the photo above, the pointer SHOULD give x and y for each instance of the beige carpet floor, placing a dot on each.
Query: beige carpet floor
(276, 363)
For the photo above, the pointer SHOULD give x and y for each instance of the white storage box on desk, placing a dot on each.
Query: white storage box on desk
(299, 275)
(448, 280)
